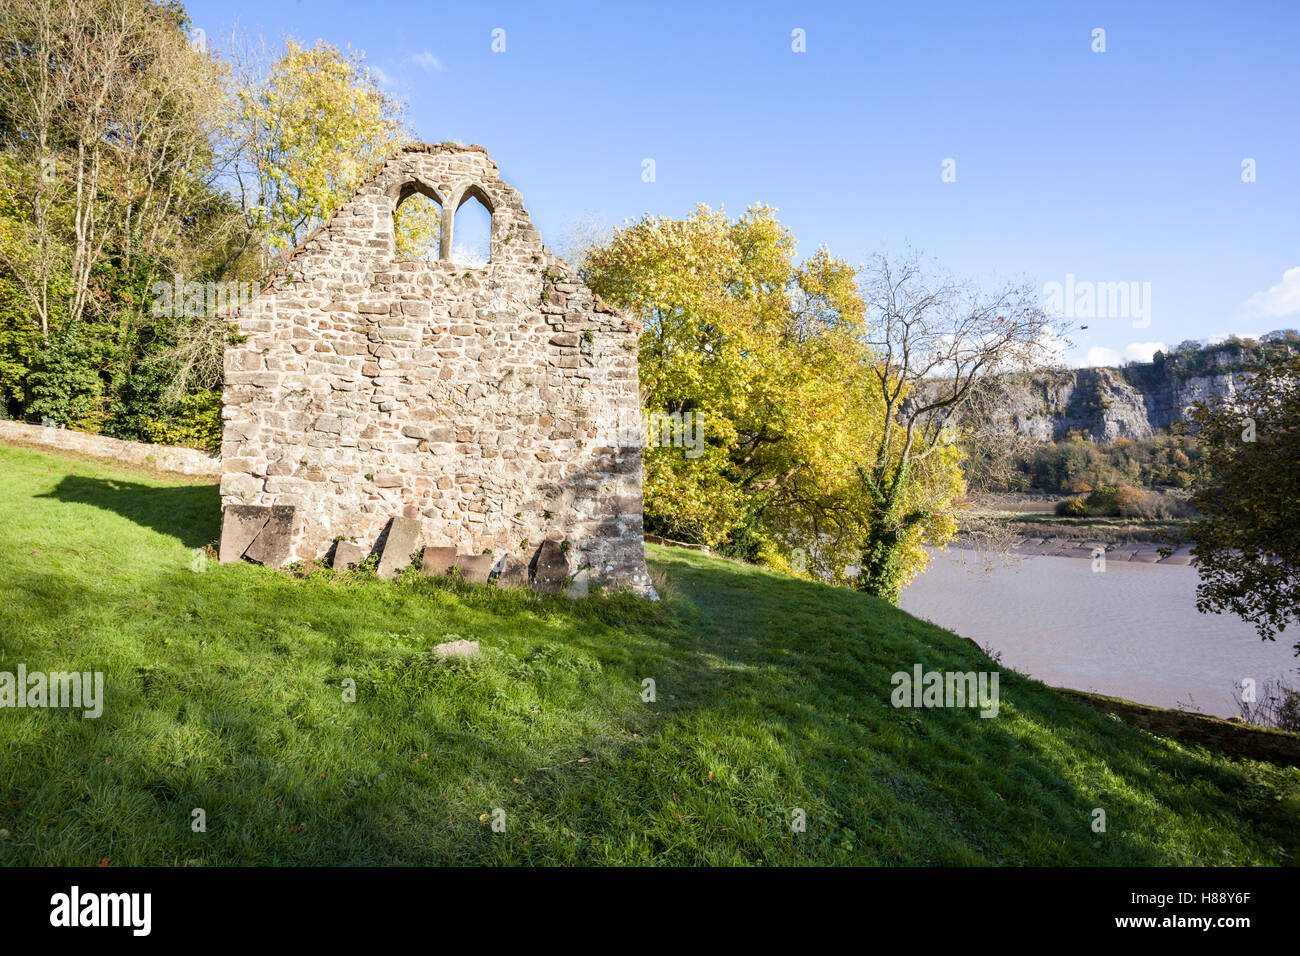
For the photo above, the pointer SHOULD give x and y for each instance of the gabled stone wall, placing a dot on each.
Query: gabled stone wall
(498, 405)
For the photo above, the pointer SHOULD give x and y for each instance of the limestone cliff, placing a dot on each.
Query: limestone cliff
(1133, 401)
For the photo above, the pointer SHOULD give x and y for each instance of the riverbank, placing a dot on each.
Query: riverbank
(1135, 552)
(1032, 517)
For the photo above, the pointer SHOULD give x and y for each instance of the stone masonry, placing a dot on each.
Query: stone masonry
(497, 405)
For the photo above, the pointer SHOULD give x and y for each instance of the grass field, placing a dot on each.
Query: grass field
(223, 692)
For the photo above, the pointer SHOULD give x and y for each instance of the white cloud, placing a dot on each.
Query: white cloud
(426, 61)
(1282, 299)
(1097, 356)
(1133, 352)
(1142, 351)
(1054, 347)
(383, 78)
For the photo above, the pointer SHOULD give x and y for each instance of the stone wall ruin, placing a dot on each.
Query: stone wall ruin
(494, 405)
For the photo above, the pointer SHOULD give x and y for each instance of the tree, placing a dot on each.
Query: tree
(130, 156)
(939, 351)
(1247, 491)
(746, 348)
(771, 359)
(304, 130)
(106, 115)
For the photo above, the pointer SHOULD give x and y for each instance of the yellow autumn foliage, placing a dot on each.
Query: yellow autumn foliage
(766, 358)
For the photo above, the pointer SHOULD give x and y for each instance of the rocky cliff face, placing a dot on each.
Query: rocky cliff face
(1109, 403)
(1134, 401)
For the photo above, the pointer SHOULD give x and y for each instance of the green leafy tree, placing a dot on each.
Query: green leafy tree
(939, 349)
(1247, 491)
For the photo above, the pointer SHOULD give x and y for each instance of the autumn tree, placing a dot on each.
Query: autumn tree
(305, 128)
(734, 340)
(769, 357)
(1247, 493)
(940, 349)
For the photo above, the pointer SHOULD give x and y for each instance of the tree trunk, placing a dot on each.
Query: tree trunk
(882, 562)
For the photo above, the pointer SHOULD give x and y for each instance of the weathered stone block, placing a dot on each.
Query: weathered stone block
(549, 569)
(272, 544)
(240, 524)
(438, 561)
(402, 541)
(348, 556)
(456, 649)
(475, 568)
(580, 586)
(514, 574)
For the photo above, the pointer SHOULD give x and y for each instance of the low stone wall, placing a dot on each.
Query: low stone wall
(1229, 736)
(183, 461)
(670, 543)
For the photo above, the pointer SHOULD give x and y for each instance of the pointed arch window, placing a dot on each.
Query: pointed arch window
(417, 224)
(472, 229)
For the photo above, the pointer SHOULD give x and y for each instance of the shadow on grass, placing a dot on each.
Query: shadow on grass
(190, 513)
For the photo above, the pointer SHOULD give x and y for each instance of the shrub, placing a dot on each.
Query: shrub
(1071, 508)
(196, 423)
(1135, 503)
(65, 386)
(1103, 502)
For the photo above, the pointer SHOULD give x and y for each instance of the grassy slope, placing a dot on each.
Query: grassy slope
(223, 693)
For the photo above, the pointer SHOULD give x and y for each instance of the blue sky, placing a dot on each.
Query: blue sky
(1123, 166)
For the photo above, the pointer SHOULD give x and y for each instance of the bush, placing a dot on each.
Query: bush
(1136, 503)
(65, 386)
(1071, 508)
(196, 423)
(1103, 502)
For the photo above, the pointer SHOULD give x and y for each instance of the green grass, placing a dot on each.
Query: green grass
(224, 692)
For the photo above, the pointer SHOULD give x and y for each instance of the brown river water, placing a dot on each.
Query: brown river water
(1132, 631)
